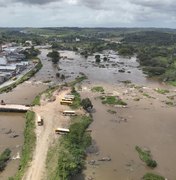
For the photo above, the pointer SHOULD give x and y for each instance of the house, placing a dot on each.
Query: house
(5, 76)
(77, 40)
(13, 57)
(8, 68)
(3, 60)
(2, 78)
(28, 42)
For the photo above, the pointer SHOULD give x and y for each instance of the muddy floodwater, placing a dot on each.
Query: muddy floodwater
(11, 136)
(149, 123)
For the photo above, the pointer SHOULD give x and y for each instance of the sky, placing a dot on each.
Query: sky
(88, 13)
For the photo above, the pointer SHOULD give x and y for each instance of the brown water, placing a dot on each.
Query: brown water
(98, 74)
(149, 123)
(11, 124)
(113, 139)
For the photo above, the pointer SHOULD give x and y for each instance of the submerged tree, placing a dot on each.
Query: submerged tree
(87, 104)
(55, 56)
(97, 58)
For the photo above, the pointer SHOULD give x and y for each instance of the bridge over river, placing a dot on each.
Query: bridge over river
(14, 108)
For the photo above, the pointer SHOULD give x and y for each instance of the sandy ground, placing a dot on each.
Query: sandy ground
(51, 113)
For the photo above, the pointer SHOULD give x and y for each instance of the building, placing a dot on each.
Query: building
(77, 40)
(3, 60)
(5, 76)
(13, 57)
(28, 42)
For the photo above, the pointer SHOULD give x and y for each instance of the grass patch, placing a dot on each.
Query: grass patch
(173, 83)
(47, 81)
(136, 99)
(72, 149)
(151, 176)
(77, 80)
(29, 144)
(112, 100)
(97, 89)
(77, 100)
(147, 95)
(111, 111)
(36, 101)
(26, 77)
(145, 156)
(161, 91)
(52, 160)
(169, 103)
(171, 97)
(48, 93)
(4, 157)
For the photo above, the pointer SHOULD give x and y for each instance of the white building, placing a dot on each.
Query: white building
(3, 60)
(28, 42)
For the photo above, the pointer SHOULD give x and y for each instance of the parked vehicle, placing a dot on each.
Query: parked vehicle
(62, 131)
(39, 121)
(64, 102)
(69, 113)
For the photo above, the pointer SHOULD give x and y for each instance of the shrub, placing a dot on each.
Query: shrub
(97, 89)
(4, 157)
(151, 176)
(146, 157)
(113, 100)
(162, 91)
(72, 148)
(86, 104)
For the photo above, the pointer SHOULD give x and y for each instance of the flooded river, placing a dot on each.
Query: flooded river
(147, 123)
(111, 138)
(11, 136)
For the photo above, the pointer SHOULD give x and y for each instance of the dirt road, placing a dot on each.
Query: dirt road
(51, 113)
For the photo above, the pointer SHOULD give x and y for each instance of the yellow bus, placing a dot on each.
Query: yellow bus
(62, 131)
(63, 102)
(67, 99)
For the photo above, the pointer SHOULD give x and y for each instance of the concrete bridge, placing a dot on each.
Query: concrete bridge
(14, 108)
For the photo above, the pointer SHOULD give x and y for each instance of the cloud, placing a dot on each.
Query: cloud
(93, 4)
(36, 2)
(95, 13)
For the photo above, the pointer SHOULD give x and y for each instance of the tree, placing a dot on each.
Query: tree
(55, 56)
(105, 59)
(97, 58)
(87, 104)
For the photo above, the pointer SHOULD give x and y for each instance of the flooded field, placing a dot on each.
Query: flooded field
(149, 122)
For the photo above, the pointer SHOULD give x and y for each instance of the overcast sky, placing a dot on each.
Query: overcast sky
(88, 13)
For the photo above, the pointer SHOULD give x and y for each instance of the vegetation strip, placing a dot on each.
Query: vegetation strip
(72, 148)
(146, 157)
(70, 151)
(4, 157)
(161, 91)
(97, 89)
(26, 77)
(29, 145)
(151, 176)
(112, 100)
